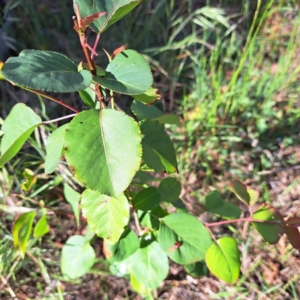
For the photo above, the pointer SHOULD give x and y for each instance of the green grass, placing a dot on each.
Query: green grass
(233, 102)
(233, 82)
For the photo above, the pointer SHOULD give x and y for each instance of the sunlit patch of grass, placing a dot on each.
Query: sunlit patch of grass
(238, 115)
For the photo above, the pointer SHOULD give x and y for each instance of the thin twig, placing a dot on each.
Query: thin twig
(83, 40)
(278, 170)
(95, 45)
(137, 223)
(91, 49)
(59, 119)
(135, 215)
(52, 99)
(64, 213)
(100, 95)
(241, 220)
(8, 287)
(85, 47)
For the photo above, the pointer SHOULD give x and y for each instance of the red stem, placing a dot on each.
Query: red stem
(249, 219)
(53, 99)
(95, 45)
(90, 61)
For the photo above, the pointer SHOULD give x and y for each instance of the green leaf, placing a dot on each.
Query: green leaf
(223, 259)
(128, 73)
(1, 65)
(21, 231)
(73, 199)
(45, 71)
(169, 189)
(147, 199)
(54, 148)
(89, 233)
(144, 177)
(120, 268)
(106, 215)
(244, 192)
(17, 128)
(150, 265)
(148, 97)
(180, 206)
(41, 228)
(168, 119)
(142, 111)
(184, 238)
(77, 257)
(138, 287)
(88, 96)
(115, 10)
(100, 71)
(151, 219)
(30, 180)
(103, 148)
(126, 246)
(158, 149)
(274, 226)
(216, 205)
(197, 269)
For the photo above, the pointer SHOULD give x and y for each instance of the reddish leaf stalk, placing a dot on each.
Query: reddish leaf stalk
(95, 45)
(249, 219)
(90, 61)
(52, 99)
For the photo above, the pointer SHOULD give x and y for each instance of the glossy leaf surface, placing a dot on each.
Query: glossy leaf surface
(126, 246)
(21, 231)
(169, 119)
(17, 128)
(115, 10)
(54, 148)
(184, 238)
(158, 149)
(45, 71)
(151, 219)
(128, 73)
(272, 227)
(104, 150)
(144, 177)
(223, 259)
(73, 198)
(147, 199)
(88, 96)
(216, 205)
(197, 269)
(180, 206)
(244, 192)
(30, 179)
(138, 287)
(142, 111)
(41, 228)
(148, 97)
(169, 189)
(150, 265)
(106, 215)
(1, 65)
(77, 257)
